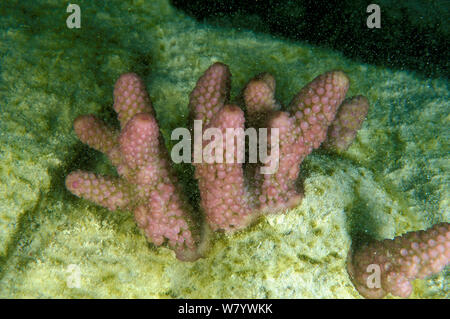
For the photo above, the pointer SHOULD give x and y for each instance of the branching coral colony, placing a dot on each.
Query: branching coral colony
(231, 197)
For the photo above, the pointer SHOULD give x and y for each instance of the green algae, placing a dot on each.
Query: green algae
(393, 179)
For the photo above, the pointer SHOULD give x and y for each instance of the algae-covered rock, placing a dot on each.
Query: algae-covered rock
(393, 179)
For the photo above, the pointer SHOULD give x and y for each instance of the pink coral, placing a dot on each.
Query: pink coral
(147, 186)
(389, 266)
(259, 98)
(222, 190)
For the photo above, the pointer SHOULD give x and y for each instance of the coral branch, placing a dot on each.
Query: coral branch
(221, 183)
(130, 98)
(108, 192)
(313, 109)
(93, 132)
(389, 266)
(259, 98)
(315, 106)
(278, 190)
(146, 185)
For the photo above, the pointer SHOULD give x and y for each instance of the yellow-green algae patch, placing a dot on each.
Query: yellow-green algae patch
(392, 180)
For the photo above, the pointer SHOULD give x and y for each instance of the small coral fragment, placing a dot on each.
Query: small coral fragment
(388, 266)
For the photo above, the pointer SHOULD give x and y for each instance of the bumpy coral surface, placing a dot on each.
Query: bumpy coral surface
(302, 129)
(147, 186)
(389, 266)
